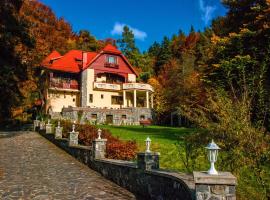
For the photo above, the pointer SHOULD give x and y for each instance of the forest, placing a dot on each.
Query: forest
(217, 79)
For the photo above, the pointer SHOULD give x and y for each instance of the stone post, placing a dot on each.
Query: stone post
(148, 160)
(36, 124)
(99, 148)
(73, 138)
(216, 187)
(42, 125)
(58, 132)
(49, 128)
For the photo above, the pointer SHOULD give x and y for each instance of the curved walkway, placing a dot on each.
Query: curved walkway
(33, 168)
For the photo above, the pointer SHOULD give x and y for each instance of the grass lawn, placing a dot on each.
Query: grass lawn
(164, 140)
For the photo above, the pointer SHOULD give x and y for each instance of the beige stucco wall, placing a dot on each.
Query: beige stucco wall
(132, 78)
(58, 99)
(97, 100)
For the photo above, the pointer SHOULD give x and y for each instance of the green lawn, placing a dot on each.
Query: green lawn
(164, 140)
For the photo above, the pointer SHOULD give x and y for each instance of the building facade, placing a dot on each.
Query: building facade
(98, 87)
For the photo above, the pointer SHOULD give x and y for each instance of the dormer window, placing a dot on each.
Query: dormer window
(112, 59)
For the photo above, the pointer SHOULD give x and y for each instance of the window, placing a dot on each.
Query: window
(142, 117)
(94, 116)
(112, 59)
(74, 99)
(124, 117)
(90, 98)
(101, 96)
(117, 100)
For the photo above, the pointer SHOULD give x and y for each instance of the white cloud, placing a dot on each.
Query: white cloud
(207, 11)
(118, 29)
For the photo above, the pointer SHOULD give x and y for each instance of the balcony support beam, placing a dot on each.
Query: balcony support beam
(135, 98)
(147, 99)
(124, 99)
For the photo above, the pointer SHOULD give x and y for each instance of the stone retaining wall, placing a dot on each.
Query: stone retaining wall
(145, 184)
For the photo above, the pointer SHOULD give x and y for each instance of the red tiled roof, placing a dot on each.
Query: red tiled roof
(111, 49)
(52, 56)
(70, 62)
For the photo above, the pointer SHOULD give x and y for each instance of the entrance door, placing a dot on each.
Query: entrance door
(109, 119)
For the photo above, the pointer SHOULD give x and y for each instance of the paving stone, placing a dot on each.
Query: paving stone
(33, 168)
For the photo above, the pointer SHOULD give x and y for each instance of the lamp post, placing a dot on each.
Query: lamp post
(99, 133)
(212, 157)
(148, 143)
(58, 124)
(73, 127)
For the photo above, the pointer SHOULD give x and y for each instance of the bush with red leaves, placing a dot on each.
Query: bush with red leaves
(115, 148)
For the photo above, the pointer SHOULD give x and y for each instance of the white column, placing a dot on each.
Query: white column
(152, 100)
(147, 99)
(135, 98)
(124, 99)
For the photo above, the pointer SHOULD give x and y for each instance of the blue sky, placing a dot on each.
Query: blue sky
(150, 20)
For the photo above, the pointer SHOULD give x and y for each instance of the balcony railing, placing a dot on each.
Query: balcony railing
(107, 86)
(111, 65)
(137, 86)
(64, 85)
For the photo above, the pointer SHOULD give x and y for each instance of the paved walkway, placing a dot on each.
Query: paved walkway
(33, 168)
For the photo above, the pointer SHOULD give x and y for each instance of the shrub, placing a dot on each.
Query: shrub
(115, 148)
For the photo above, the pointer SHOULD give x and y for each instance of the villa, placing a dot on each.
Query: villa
(97, 87)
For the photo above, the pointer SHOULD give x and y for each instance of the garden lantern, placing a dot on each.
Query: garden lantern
(99, 133)
(212, 157)
(49, 121)
(148, 143)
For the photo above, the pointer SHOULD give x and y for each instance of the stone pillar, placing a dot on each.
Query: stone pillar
(99, 148)
(135, 98)
(148, 160)
(36, 124)
(73, 138)
(147, 99)
(152, 100)
(218, 187)
(49, 128)
(124, 99)
(42, 125)
(58, 132)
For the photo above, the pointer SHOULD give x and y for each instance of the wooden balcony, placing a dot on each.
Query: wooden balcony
(111, 65)
(65, 86)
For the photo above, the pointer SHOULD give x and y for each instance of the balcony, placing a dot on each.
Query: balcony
(56, 84)
(107, 86)
(111, 65)
(137, 86)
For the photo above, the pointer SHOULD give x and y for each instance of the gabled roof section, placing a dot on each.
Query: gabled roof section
(111, 49)
(52, 56)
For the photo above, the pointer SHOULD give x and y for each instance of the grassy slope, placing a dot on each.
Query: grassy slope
(164, 140)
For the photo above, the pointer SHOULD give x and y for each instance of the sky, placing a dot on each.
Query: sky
(150, 20)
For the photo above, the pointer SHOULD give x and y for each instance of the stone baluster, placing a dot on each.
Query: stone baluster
(49, 127)
(99, 146)
(148, 160)
(36, 124)
(58, 131)
(73, 137)
(219, 187)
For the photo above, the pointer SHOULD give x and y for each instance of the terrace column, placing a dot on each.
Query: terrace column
(147, 99)
(152, 100)
(124, 99)
(135, 98)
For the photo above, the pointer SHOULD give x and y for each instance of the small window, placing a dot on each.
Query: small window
(117, 100)
(124, 117)
(112, 59)
(74, 99)
(94, 116)
(90, 98)
(102, 96)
